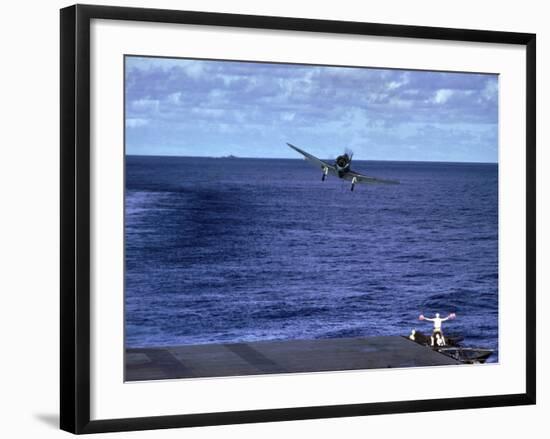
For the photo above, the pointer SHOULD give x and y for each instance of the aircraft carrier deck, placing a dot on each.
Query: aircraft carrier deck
(287, 356)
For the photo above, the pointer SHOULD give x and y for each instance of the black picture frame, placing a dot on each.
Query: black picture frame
(75, 217)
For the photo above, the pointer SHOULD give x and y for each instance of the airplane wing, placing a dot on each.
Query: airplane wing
(314, 160)
(359, 178)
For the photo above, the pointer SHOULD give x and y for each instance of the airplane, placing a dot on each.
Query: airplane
(341, 168)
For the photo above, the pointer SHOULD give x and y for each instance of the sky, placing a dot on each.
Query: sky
(185, 107)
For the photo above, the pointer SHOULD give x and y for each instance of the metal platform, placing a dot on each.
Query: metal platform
(268, 357)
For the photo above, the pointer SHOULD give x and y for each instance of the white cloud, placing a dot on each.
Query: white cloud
(136, 122)
(442, 95)
(208, 112)
(400, 103)
(193, 69)
(174, 98)
(288, 116)
(145, 104)
(396, 84)
(490, 91)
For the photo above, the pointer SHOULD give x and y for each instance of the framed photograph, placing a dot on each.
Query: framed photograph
(273, 218)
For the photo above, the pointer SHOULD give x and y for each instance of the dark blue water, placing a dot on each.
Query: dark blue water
(229, 250)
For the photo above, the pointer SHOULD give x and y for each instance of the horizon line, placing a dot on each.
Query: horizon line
(234, 157)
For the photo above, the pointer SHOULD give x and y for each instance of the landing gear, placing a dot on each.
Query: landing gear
(353, 181)
(325, 172)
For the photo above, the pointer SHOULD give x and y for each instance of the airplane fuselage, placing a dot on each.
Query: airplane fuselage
(342, 165)
(341, 168)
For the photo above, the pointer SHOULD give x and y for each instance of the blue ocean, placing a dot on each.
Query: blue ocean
(223, 250)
